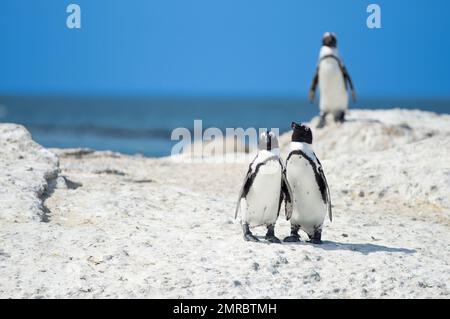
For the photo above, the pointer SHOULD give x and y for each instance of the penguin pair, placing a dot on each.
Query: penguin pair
(300, 183)
(333, 80)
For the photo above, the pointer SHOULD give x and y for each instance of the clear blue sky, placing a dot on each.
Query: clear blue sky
(220, 47)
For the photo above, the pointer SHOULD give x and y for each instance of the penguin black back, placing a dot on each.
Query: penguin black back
(301, 133)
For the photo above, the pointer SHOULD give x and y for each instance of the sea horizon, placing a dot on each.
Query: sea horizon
(143, 124)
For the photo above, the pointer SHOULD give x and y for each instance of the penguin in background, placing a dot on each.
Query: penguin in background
(264, 188)
(333, 80)
(311, 200)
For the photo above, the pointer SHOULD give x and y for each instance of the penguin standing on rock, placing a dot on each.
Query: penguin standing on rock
(311, 200)
(264, 188)
(333, 80)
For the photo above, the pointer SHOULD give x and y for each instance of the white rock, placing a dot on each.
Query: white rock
(374, 130)
(26, 168)
(129, 226)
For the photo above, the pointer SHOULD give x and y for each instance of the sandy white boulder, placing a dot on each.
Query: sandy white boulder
(130, 226)
(394, 156)
(26, 171)
(367, 131)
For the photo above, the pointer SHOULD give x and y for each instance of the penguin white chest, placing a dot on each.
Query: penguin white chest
(309, 209)
(260, 207)
(333, 93)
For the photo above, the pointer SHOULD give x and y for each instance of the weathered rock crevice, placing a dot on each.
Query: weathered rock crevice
(47, 191)
(27, 174)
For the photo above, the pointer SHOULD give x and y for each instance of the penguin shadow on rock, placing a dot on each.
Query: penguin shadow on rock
(333, 80)
(364, 249)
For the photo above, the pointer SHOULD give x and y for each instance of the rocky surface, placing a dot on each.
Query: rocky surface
(102, 224)
(26, 172)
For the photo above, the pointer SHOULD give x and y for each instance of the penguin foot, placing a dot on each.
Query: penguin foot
(270, 236)
(322, 121)
(339, 117)
(273, 240)
(251, 237)
(248, 236)
(292, 239)
(316, 238)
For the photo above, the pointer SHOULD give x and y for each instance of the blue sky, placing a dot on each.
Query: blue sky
(220, 47)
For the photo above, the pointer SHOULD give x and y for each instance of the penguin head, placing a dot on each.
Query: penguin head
(301, 133)
(268, 141)
(329, 40)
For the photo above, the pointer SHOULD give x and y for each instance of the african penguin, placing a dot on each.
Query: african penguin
(311, 200)
(332, 77)
(263, 190)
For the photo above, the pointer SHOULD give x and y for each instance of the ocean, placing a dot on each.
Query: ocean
(140, 125)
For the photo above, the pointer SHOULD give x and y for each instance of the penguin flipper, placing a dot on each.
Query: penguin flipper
(328, 196)
(287, 193)
(244, 191)
(327, 189)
